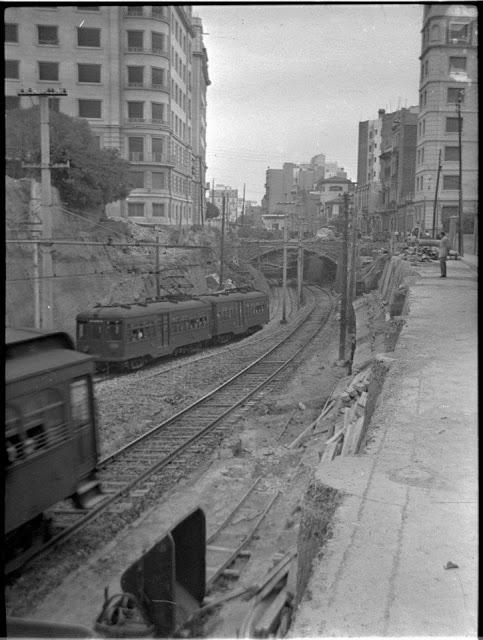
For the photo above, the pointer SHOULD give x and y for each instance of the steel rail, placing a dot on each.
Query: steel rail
(103, 506)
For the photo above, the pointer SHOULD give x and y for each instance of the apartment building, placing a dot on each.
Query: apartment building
(368, 191)
(449, 71)
(223, 192)
(397, 169)
(138, 74)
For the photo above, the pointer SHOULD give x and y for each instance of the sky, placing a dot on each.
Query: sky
(291, 81)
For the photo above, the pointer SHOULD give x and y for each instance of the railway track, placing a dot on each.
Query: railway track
(145, 467)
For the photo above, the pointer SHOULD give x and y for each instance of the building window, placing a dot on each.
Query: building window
(157, 111)
(11, 32)
(88, 37)
(135, 76)
(451, 183)
(157, 42)
(54, 104)
(47, 34)
(136, 149)
(452, 125)
(454, 93)
(158, 12)
(157, 77)
(12, 69)
(457, 63)
(458, 32)
(12, 102)
(159, 209)
(451, 154)
(135, 111)
(90, 108)
(434, 33)
(89, 73)
(157, 148)
(158, 180)
(49, 71)
(426, 68)
(136, 179)
(135, 11)
(135, 40)
(135, 209)
(424, 127)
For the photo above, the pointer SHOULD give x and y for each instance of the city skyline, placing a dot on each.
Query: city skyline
(272, 103)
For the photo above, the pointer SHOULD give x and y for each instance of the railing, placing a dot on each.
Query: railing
(135, 84)
(134, 12)
(159, 51)
(159, 87)
(136, 156)
(49, 41)
(135, 49)
(135, 119)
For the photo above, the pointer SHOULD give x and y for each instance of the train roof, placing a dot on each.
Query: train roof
(24, 335)
(137, 309)
(227, 296)
(30, 352)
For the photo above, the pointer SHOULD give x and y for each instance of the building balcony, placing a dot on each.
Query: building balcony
(148, 123)
(148, 87)
(166, 159)
(156, 51)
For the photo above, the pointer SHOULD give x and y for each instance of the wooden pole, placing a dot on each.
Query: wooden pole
(343, 302)
(300, 268)
(460, 190)
(46, 304)
(284, 273)
(435, 205)
(222, 247)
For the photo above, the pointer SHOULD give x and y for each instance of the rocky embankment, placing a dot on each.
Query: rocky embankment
(91, 268)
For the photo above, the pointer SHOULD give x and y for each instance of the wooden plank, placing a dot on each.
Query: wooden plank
(268, 621)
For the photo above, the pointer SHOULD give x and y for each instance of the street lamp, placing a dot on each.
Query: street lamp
(460, 180)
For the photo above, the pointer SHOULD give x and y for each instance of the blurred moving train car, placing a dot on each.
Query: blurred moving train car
(128, 336)
(50, 449)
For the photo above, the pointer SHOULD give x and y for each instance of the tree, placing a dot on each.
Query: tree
(212, 211)
(95, 176)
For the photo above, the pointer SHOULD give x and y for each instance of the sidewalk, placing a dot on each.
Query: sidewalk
(410, 503)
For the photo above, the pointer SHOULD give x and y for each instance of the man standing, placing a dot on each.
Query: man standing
(443, 252)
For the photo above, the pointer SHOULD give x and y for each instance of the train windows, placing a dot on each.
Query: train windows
(80, 405)
(114, 330)
(81, 329)
(96, 330)
(13, 440)
(44, 420)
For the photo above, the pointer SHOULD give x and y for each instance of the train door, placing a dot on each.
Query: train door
(82, 424)
(163, 331)
(239, 313)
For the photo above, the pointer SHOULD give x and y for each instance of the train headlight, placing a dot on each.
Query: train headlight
(86, 349)
(113, 346)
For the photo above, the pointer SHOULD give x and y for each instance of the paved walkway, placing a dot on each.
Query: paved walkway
(411, 498)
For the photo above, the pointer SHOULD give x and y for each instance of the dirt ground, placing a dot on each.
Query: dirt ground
(257, 446)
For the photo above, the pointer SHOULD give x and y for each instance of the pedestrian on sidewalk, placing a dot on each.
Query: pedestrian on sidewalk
(443, 252)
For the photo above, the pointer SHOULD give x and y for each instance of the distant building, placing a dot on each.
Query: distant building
(449, 68)
(330, 192)
(138, 74)
(397, 167)
(386, 161)
(230, 196)
(368, 191)
(292, 192)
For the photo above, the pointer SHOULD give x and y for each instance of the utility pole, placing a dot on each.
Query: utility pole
(222, 247)
(43, 297)
(460, 181)
(202, 194)
(300, 267)
(158, 286)
(243, 205)
(343, 302)
(435, 205)
(284, 273)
